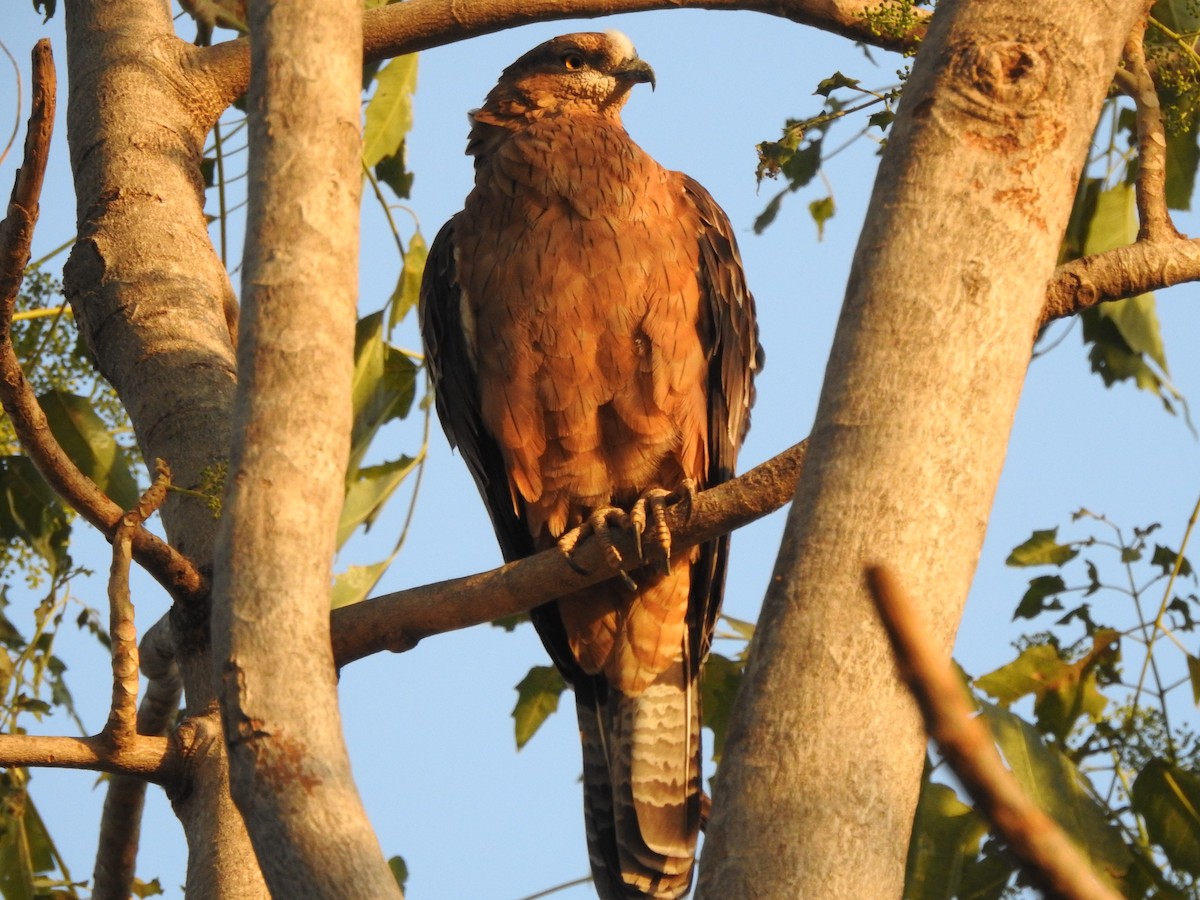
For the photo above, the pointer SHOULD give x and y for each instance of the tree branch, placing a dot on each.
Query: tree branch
(172, 570)
(151, 758)
(1047, 854)
(121, 820)
(1125, 272)
(397, 621)
(1134, 79)
(423, 24)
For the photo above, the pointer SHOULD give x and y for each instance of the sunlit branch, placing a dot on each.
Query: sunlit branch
(1045, 852)
(171, 569)
(422, 24)
(1134, 79)
(121, 820)
(148, 757)
(398, 621)
(1125, 272)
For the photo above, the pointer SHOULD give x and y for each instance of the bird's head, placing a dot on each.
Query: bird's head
(588, 71)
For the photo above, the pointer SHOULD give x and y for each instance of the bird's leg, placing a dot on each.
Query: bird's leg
(599, 524)
(652, 504)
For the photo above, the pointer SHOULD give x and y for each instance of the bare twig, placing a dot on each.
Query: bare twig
(1047, 854)
(121, 820)
(122, 718)
(1134, 79)
(398, 621)
(167, 565)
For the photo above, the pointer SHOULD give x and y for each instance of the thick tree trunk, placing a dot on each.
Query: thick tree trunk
(820, 773)
(150, 294)
(290, 771)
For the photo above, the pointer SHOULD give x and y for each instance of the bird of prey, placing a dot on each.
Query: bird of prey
(592, 345)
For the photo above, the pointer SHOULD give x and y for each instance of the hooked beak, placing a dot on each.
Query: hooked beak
(635, 71)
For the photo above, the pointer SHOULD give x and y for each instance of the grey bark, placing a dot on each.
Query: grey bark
(149, 295)
(822, 763)
(289, 768)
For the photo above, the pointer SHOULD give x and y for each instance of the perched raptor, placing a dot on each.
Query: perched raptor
(592, 344)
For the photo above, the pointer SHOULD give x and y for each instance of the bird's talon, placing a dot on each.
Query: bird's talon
(627, 581)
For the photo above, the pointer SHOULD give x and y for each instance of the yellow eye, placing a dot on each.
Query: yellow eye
(572, 61)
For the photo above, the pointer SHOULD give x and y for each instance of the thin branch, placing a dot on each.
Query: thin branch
(396, 622)
(423, 24)
(1125, 272)
(122, 718)
(1047, 854)
(1134, 79)
(121, 820)
(167, 565)
(152, 758)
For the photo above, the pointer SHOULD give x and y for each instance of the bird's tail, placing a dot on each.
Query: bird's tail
(641, 776)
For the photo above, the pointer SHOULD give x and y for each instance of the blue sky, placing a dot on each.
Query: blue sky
(429, 731)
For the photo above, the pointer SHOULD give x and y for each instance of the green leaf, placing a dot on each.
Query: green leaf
(510, 623)
(1113, 222)
(1167, 798)
(408, 286)
(837, 80)
(366, 495)
(356, 583)
(1165, 557)
(821, 211)
(393, 171)
(767, 216)
(1033, 602)
(1041, 550)
(86, 439)
(1063, 690)
(383, 387)
(1183, 155)
(25, 846)
(152, 888)
(946, 834)
(1056, 785)
(399, 871)
(31, 513)
(389, 112)
(537, 698)
(1193, 667)
(1082, 212)
(1181, 16)
(719, 683)
(881, 119)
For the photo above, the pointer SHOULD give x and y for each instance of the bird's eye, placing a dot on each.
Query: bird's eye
(572, 61)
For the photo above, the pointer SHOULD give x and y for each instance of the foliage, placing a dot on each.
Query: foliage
(1097, 749)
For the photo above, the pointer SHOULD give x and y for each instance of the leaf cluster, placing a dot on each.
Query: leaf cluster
(1097, 748)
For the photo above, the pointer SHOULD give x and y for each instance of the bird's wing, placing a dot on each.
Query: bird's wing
(456, 392)
(731, 335)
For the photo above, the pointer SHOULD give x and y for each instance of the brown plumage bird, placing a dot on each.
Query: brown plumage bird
(591, 342)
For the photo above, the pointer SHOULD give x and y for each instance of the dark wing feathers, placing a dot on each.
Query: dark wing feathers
(735, 356)
(456, 393)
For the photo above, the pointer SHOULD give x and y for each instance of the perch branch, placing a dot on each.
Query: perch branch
(398, 621)
(423, 24)
(1047, 854)
(172, 570)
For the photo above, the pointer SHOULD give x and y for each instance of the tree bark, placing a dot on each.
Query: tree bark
(149, 295)
(819, 778)
(289, 768)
